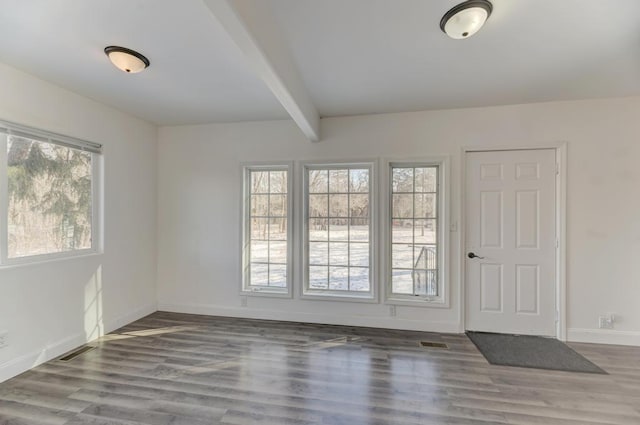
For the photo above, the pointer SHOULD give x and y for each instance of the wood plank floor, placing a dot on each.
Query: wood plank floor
(172, 368)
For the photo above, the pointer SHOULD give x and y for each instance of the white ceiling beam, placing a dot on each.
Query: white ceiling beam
(251, 27)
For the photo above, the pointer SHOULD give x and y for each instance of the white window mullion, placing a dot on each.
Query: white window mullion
(4, 200)
(59, 212)
(273, 223)
(329, 200)
(416, 232)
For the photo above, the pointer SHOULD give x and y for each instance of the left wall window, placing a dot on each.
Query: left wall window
(47, 196)
(266, 265)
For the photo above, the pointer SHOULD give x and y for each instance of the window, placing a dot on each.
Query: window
(48, 200)
(415, 232)
(338, 230)
(267, 230)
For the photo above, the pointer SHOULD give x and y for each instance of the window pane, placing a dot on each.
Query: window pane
(50, 196)
(260, 205)
(278, 252)
(318, 181)
(318, 253)
(278, 275)
(339, 229)
(359, 279)
(425, 205)
(338, 181)
(339, 254)
(426, 283)
(402, 206)
(402, 231)
(278, 205)
(318, 205)
(268, 237)
(426, 179)
(259, 229)
(359, 206)
(414, 227)
(402, 256)
(278, 181)
(339, 278)
(359, 181)
(259, 274)
(259, 181)
(278, 229)
(359, 254)
(318, 229)
(347, 231)
(425, 231)
(338, 205)
(359, 229)
(318, 277)
(425, 257)
(402, 180)
(259, 251)
(401, 282)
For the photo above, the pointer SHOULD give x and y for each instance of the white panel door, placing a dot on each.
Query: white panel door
(511, 242)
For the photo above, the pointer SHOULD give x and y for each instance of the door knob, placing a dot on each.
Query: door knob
(473, 255)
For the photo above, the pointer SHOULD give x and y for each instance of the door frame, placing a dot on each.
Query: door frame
(561, 228)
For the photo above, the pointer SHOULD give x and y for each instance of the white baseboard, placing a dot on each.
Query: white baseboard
(30, 360)
(603, 336)
(130, 317)
(368, 321)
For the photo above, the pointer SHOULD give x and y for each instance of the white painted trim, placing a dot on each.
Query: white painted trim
(302, 205)
(4, 200)
(97, 213)
(245, 170)
(561, 234)
(328, 318)
(604, 336)
(130, 317)
(257, 36)
(561, 228)
(444, 253)
(30, 360)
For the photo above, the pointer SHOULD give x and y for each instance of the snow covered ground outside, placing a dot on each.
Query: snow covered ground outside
(343, 263)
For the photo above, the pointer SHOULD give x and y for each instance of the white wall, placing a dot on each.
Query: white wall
(51, 307)
(199, 206)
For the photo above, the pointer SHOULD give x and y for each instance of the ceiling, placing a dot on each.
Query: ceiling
(352, 57)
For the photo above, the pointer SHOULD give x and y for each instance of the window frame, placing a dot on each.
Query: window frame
(95, 150)
(306, 293)
(443, 232)
(245, 229)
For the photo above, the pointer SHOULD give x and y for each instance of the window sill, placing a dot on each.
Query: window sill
(326, 296)
(46, 259)
(417, 302)
(265, 293)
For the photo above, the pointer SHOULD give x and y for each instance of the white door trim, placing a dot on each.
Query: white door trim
(561, 226)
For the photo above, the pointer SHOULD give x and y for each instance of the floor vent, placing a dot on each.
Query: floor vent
(72, 355)
(430, 344)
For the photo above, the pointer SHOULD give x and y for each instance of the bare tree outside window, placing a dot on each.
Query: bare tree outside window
(338, 230)
(267, 239)
(414, 227)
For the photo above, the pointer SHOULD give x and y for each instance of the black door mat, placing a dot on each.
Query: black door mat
(531, 351)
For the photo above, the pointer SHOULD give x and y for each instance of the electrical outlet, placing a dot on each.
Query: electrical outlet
(392, 310)
(3, 339)
(243, 301)
(606, 322)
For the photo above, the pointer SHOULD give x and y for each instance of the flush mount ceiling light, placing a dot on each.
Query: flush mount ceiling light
(126, 59)
(466, 19)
